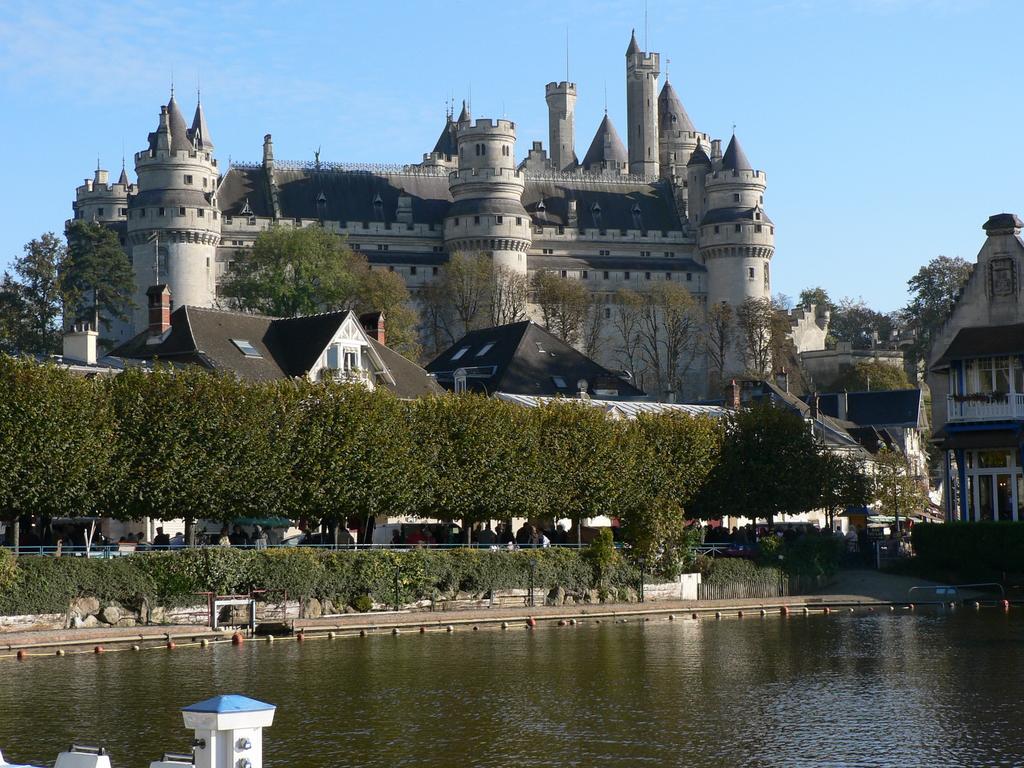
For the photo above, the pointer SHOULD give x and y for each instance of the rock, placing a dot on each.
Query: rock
(350, 609)
(328, 607)
(556, 596)
(312, 608)
(111, 614)
(85, 606)
(158, 615)
(85, 622)
(127, 622)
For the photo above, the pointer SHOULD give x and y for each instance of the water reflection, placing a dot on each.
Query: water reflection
(862, 690)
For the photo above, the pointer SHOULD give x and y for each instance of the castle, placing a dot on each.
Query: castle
(670, 205)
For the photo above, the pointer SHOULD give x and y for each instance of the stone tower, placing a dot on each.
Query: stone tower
(487, 215)
(174, 222)
(561, 99)
(642, 70)
(100, 201)
(736, 237)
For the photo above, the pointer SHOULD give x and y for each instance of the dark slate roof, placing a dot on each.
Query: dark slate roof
(199, 132)
(730, 215)
(699, 157)
(179, 130)
(446, 143)
(597, 263)
(634, 46)
(895, 408)
(835, 432)
(464, 115)
(350, 196)
(735, 159)
(671, 114)
(289, 346)
(123, 179)
(984, 341)
(606, 147)
(522, 361)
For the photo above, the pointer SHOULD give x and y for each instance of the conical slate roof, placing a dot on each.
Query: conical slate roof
(699, 156)
(200, 133)
(446, 143)
(634, 46)
(124, 178)
(671, 114)
(179, 131)
(464, 116)
(606, 147)
(734, 158)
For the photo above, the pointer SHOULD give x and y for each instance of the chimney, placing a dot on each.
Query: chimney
(80, 344)
(782, 380)
(373, 324)
(733, 395)
(843, 404)
(572, 218)
(159, 310)
(268, 151)
(403, 214)
(716, 150)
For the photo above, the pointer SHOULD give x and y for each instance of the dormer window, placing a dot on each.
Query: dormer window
(462, 351)
(485, 349)
(246, 348)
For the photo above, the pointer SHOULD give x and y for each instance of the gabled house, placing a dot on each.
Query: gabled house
(525, 359)
(976, 376)
(332, 345)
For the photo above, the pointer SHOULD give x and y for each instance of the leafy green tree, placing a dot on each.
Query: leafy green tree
(767, 455)
(896, 488)
(668, 459)
(855, 322)
(872, 375)
(95, 277)
(842, 483)
(13, 316)
(56, 442)
(579, 459)
(478, 457)
(719, 340)
(354, 454)
(30, 305)
(564, 305)
(933, 289)
(755, 319)
(817, 296)
(670, 334)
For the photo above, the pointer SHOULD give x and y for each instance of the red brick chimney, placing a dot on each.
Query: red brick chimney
(159, 309)
(733, 395)
(373, 324)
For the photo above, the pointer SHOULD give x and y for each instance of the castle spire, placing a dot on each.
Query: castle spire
(735, 159)
(634, 46)
(464, 116)
(200, 133)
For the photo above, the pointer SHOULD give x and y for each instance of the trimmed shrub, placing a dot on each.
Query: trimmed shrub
(984, 550)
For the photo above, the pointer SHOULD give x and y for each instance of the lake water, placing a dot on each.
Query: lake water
(922, 689)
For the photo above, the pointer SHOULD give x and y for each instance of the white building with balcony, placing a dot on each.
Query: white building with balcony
(976, 375)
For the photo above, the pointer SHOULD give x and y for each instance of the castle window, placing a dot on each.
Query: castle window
(604, 275)
(670, 253)
(391, 269)
(564, 273)
(215, 215)
(456, 222)
(757, 228)
(476, 219)
(412, 270)
(668, 275)
(200, 213)
(123, 211)
(736, 227)
(357, 247)
(181, 211)
(716, 229)
(547, 251)
(228, 220)
(604, 253)
(99, 212)
(625, 275)
(644, 254)
(500, 219)
(204, 182)
(142, 213)
(433, 270)
(438, 249)
(689, 277)
(750, 272)
(519, 220)
(586, 275)
(607, 313)
(736, 197)
(647, 275)
(188, 178)
(757, 216)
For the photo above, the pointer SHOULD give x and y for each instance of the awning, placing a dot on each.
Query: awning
(954, 436)
(985, 341)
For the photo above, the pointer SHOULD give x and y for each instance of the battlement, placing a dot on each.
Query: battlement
(685, 137)
(464, 175)
(559, 88)
(147, 156)
(486, 126)
(723, 177)
(90, 190)
(646, 61)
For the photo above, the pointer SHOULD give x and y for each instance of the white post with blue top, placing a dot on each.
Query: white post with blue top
(228, 731)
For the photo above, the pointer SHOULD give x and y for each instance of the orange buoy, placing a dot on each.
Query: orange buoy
(300, 636)
(784, 610)
(694, 615)
(237, 639)
(21, 655)
(98, 649)
(531, 622)
(1006, 605)
(739, 614)
(423, 630)
(561, 623)
(170, 645)
(827, 610)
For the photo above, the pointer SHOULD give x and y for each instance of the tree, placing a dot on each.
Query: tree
(95, 277)
(509, 296)
(933, 290)
(579, 459)
(855, 322)
(56, 442)
(719, 340)
(564, 305)
(13, 316)
(626, 319)
(306, 270)
(669, 334)
(872, 375)
(756, 318)
(842, 483)
(896, 488)
(32, 300)
(767, 455)
(817, 296)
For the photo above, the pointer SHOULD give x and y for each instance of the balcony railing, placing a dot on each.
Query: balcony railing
(985, 406)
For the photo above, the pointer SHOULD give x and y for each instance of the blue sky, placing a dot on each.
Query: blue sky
(889, 129)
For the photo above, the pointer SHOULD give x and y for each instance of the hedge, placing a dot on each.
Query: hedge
(974, 550)
(35, 585)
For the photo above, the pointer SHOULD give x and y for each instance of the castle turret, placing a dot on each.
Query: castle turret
(607, 154)
(100, 201)
(487, 215)
(561, 99)
(697, 169)
(677, 138)
(173, 220)
(736, 237)
(642, 70)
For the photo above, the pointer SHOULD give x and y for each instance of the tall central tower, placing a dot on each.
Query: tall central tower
(487, 215)
(561, 99)
(173, 222)
(642, 70)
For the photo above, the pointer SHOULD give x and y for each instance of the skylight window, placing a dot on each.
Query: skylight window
(485, 349)
(559, 382)
(246, 348)
(460, 353)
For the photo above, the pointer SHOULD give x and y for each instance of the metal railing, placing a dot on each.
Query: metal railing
(120, 550)
(988, 406)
